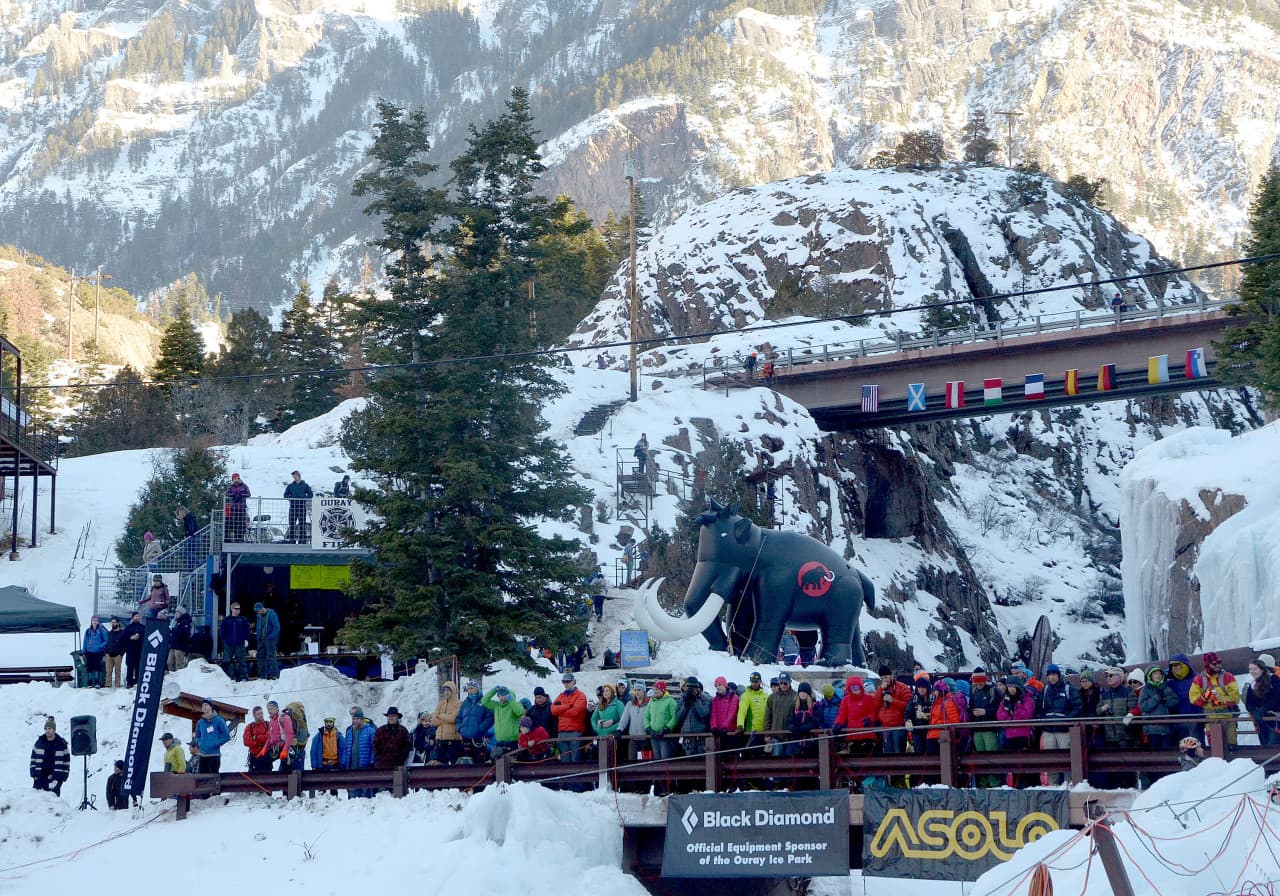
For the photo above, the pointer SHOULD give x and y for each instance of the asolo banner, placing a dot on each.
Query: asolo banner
(951, 834)
(757, 835)
(146, 704)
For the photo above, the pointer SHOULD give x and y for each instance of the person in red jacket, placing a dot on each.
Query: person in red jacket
(534, 742)
(892, 697)
(724, 713)
(255, 738)
(858, 711)
(570, 711)
(945, 711)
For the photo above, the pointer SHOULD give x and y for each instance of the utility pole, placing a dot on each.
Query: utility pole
(1008, 118)
(630, 173)
(97, 301)
(71, 307)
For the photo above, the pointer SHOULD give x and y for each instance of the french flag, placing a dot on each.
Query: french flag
(1034, 388)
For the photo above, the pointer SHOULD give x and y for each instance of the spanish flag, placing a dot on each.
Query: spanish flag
(1071, 382)
(1106, 377)
(1158, 369)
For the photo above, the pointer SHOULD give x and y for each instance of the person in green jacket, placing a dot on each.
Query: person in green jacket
(660, 720)
(507, 711)
(751, 710)
(607, 714)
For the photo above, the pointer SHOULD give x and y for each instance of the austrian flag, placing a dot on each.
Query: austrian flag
(955, 394)
(1034, 389)
(992, 392)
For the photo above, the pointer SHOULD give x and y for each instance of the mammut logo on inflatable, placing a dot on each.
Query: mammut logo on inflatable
(815, 579)
(939, 834)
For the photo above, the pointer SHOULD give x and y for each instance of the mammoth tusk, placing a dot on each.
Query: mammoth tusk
(671, 628)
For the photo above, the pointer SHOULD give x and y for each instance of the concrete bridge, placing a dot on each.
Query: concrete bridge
(829, 380)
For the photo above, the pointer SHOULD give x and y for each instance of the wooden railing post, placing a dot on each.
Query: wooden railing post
(1216, 733)
(294, 787)
(947, 758)
(608, 756)
(826, 770)
(1077, 753)
(711, 755)
(502, 770)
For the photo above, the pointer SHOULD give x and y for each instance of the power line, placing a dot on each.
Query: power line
(652, 342)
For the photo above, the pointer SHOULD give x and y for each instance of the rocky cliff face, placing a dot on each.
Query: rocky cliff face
(976, 528)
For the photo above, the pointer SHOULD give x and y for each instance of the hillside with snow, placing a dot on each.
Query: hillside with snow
(223, 138)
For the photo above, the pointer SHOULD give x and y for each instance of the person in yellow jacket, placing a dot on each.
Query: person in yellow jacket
(174, 761)
(752, 707)
(1216, 691)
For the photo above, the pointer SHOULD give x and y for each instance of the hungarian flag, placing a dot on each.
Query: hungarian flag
(992, 392)
(1195, 364)
(955, 394)
(915, 397)
(870, 399)
(1071, 382)
(1106, 377)
(1034, 389)
(1158, 369)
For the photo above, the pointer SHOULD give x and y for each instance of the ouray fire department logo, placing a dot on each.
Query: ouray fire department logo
(815, 579)
(333, 520)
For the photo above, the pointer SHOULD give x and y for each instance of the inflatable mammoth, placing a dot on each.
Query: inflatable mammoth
(769, 582)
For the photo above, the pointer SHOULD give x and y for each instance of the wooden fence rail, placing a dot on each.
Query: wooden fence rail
(720, 769)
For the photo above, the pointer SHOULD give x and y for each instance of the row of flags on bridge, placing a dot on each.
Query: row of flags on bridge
(1033, 387)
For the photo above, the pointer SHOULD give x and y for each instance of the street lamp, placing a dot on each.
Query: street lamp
(630, 174)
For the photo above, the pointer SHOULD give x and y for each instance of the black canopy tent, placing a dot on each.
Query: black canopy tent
(21, 612)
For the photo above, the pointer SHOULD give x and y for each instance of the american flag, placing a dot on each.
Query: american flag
(870, 399)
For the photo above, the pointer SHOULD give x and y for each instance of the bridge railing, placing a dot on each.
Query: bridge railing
(723, 370)
(723, 766)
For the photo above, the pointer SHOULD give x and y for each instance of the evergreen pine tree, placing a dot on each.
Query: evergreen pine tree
(304, 344)
(1249, 355)
(120, 415)
(457, 446)
(979, 148)
(574, 264)
(181, 350)
(249, 350)
(192, 477)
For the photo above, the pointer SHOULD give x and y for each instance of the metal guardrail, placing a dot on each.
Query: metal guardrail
(785, 358)
(17, 428)
(264, 521)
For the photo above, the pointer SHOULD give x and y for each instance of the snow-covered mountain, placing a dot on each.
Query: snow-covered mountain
(159, 137)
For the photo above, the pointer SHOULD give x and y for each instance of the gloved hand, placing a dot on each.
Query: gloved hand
(649, 731)
(837, 729)
(1128, 718)
(909, 724)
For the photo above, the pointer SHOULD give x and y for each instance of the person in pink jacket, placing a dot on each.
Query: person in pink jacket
(724, 708)
(279, 734)
(1019, 704)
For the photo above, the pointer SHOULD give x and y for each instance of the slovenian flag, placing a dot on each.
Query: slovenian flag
(955, 394)
(1195, 364)
(1034, 389)
(1157, 369)
(1106, 377)
(1071, 382)
(870, 399)
(915, 397)
(992, 392)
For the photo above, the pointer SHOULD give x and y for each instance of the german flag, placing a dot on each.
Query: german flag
(1106, 377)
(1071, 382)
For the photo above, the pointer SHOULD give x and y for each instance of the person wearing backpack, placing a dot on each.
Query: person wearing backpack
(279, 735)
(255, 739)
(297, 714)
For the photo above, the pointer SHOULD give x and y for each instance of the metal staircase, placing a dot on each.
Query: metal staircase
(117, 591)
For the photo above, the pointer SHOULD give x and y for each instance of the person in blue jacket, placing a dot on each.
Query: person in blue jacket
(95, 651)
(268, 640)
(475, 720)
(210, 734)
(1181, 677)
(357, 750)
(327, 740)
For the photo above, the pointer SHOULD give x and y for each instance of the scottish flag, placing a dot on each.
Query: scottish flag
(915, 397)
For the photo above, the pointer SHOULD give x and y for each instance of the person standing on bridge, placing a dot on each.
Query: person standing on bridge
(299, 494)
(1216, 692)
